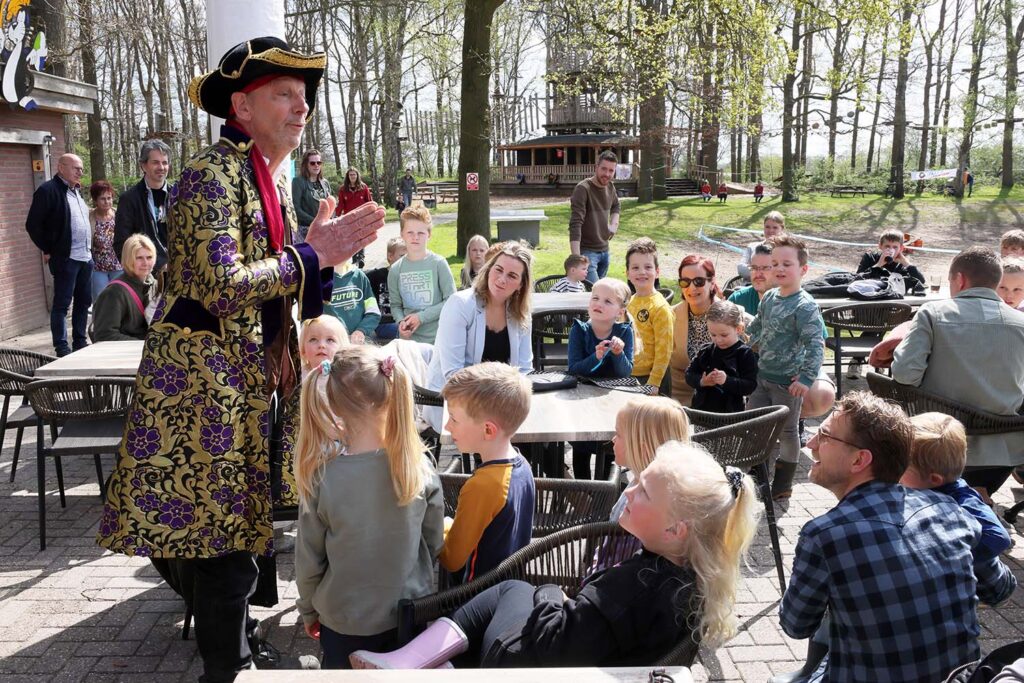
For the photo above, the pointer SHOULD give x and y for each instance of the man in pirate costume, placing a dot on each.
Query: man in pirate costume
(207, 453)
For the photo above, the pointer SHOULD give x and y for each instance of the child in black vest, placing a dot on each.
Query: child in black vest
(724, 372)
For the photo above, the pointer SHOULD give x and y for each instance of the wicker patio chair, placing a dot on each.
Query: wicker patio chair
(872, 320)
(563, 558)
(17, 369)
(551, 337)
(545, 284)
(89, 414)
(744, 440)
(915, 401)
(734, 283)
(559, 503)
(667, 293)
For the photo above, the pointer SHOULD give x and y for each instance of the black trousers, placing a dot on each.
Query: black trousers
(338, 646)
(218, 588)
(493, 616)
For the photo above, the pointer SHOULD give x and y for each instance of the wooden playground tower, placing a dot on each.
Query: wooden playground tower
(578, 127)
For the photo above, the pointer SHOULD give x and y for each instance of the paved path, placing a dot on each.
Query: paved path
(77, 613)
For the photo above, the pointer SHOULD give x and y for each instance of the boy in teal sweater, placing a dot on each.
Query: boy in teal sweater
(354, 304)
(787, 331)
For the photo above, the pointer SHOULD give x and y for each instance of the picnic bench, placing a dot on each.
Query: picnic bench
(443, 191)
(519, 224)
(844, 190)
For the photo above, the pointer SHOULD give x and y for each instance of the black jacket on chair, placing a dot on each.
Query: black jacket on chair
(49, 218)
(133, 216)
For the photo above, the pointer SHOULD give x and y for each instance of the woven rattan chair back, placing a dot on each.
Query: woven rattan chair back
(18, 368)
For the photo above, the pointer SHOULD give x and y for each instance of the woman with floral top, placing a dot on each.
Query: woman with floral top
(106, 267)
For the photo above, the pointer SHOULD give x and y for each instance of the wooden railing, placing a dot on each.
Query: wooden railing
(576, 113)
(572, 173)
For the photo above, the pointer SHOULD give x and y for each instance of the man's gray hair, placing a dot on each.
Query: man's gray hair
(151, 146)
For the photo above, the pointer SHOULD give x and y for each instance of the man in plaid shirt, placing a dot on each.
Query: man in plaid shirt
(892, 566)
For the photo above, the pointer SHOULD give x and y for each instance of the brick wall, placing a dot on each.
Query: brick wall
(22, 296)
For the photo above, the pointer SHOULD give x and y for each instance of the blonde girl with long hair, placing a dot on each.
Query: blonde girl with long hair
(695, 522)
(371, 511)
(476, 257)
(641, 427)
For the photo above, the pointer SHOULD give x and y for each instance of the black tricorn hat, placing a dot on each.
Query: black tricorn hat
(255, 59)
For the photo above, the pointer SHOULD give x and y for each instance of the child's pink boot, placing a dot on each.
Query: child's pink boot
(440, 642)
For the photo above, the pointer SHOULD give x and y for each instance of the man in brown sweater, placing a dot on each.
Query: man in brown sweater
(595, 216)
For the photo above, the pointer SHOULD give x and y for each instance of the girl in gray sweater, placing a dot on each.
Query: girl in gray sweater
(371, 514)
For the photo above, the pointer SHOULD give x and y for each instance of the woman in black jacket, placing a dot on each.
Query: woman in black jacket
(124, 307)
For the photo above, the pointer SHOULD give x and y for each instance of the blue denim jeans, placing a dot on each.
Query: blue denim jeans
(100, 279)
(71, 283)
(386, 331)
(598, 267)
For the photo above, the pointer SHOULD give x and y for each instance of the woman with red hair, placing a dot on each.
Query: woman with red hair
(699, 289)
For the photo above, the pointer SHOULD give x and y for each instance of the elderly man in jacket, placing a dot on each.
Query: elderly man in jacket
(207, 453)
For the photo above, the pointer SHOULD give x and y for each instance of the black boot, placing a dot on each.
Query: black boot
(815, 653)
(266, 656)
(782, 482)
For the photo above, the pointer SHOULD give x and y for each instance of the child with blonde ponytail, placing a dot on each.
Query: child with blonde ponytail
(371, 512)
(695, 522)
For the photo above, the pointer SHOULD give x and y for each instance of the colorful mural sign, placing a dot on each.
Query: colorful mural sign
(23, 51)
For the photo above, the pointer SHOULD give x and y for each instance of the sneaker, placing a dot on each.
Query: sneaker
(853, 370)
(266, 656)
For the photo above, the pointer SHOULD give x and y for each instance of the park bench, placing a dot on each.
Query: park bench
(517, 224)
(445, 191)
(852, 190)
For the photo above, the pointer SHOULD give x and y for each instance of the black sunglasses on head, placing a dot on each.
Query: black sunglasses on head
(684, 282)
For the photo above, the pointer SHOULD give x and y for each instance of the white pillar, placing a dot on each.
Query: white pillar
(230, 22)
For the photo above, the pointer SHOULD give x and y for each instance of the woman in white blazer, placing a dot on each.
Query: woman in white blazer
(490, 321)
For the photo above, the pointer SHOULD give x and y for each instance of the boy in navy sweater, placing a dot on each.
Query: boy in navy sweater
(486, 405)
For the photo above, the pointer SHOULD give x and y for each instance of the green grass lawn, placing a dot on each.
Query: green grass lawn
(674, 223)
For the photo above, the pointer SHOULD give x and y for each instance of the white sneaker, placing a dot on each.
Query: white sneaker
(853, 369)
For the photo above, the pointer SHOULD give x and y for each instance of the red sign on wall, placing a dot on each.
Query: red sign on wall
(472, 181)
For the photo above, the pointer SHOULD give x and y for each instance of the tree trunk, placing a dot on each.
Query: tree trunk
(941, 33)
(788, 161)
(327, 86)
(979, 38)
(878, 100)
(899, 126)
(97, 162)
(474, 131)
(836, 86)
(949, 84)
(1014, 36)
(753, 145)
(805, 97)
(859, 103)
(929, 48)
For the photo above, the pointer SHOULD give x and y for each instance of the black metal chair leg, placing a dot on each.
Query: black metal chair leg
(838, 357)
(1011, 514)
(41, 485)
(99, 476)
(3, 422)
(60, 481)
(773, 531)
(17, 452)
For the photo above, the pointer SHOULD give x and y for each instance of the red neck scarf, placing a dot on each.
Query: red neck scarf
(268, 194)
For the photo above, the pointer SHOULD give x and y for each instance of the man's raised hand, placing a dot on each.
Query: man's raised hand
(336, 240)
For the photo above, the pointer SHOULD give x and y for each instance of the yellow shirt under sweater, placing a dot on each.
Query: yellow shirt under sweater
(652, 317)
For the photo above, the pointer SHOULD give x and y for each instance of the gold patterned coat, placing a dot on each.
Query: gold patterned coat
(193, 477)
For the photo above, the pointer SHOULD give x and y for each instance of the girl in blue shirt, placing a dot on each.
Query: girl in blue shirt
(601, 347)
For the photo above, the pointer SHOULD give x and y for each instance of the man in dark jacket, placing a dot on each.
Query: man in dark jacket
(58, 223)
(143, 207)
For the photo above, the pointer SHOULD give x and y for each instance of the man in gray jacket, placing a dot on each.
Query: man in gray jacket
(971, 349)
(407, 185)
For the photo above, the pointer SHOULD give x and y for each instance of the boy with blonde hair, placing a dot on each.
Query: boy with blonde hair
(652, 317)
(937, 459)
(1011, 286)
(420, 282)
(774, 224)
(487, 403)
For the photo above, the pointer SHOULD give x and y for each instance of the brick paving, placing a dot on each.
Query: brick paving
(76, 613)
